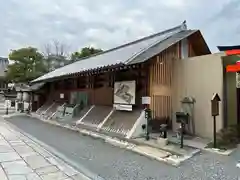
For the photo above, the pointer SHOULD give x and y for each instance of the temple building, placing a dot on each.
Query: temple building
(109, 91)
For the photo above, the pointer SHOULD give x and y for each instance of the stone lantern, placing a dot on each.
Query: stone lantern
(188, 107)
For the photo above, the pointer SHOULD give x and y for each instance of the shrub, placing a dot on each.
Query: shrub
(227, 138)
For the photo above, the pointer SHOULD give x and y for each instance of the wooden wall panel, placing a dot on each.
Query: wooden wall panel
(191, 52)
(103, 96)
(160, 81)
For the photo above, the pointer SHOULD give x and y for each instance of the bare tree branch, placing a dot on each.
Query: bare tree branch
(56, 54)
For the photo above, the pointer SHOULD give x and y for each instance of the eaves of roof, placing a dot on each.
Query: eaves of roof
(161, 46)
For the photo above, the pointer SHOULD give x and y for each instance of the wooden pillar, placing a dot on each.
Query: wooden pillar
(238, 96)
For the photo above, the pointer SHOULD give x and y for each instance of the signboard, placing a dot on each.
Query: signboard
(61, 96)
(123, 107)
(125, 92)
(146, 100)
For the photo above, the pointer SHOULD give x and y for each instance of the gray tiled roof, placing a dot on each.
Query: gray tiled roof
(130, 53)
(26, 88)
(159, 47)
(3, 66)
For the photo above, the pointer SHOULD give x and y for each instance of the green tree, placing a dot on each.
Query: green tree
(85, 52)
(27, 65)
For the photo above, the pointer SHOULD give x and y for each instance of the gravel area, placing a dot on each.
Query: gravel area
(112, 163)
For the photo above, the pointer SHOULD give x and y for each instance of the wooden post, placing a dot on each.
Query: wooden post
(215, 112)
(238, 98)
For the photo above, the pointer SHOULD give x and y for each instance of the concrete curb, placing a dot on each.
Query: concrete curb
(220, 152)
(130, 145)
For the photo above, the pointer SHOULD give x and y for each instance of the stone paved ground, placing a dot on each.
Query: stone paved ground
(23, 159)
(113, 163)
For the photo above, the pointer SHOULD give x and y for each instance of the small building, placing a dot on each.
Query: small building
(105, 90)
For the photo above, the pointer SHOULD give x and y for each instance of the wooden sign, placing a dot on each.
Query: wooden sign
(215, 104)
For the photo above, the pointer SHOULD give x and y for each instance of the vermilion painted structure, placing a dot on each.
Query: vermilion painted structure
(235, 68)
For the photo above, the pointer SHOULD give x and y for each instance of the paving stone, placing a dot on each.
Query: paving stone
(40, 150)
(25, 150)
(16, 167)
(3, 142)
(10, 156)
(54, 176)
(70, 171)
(79, 176)
(17, 143)
(11, 137)
(6, 148)
(33, 176)
(43, 152)
(46, 170)
(36, 161)
(2, 174)
(54, 161)
(17, 177)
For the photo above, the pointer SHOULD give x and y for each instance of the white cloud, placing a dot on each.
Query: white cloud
(108, 23)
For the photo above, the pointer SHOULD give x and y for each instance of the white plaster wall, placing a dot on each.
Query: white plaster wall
(199, 77)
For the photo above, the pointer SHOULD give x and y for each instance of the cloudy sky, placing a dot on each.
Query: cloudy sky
(107, 23)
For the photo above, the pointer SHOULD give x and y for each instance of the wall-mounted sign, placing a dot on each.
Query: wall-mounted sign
(123, 107)
(124, 92)
(215, 104)
(61, 96)
(146, 100)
